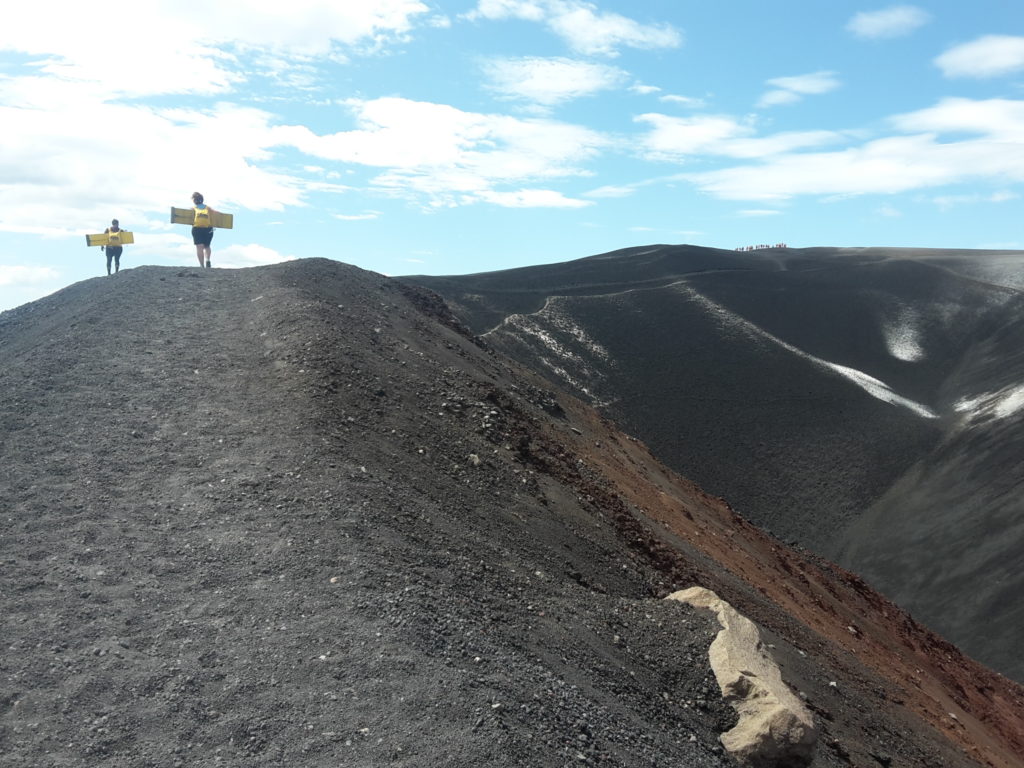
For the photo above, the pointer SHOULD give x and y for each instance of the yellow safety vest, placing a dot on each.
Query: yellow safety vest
(202, 217)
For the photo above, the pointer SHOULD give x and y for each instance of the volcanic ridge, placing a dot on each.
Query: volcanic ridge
(301, 515)
(865, 403)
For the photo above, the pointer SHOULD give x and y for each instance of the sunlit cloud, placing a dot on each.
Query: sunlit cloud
(894, 164)
(251, 255)
(550, 81)
(896, 21)
(452, 157)
(368, 216)
(675, 138)
(989, 56)
(644, 90)
(583, 27)
(532, 198)
(20, 274)
(685, 101)
(195, 52)
(947, 202)
(787, 90)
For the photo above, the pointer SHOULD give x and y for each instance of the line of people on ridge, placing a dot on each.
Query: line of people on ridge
(760, 247)
(202, 235)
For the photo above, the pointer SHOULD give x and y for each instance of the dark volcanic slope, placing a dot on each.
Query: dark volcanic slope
(293, 516)
(867, 403)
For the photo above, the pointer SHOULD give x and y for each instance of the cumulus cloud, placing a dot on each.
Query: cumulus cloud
(78, 140)
(250, 255)
(895, 21)
(685, 101)
(450, 156)
(368, 216)
(20, 274)
(529, 10)
(584, 27)
(675, 138)
(934, 154)
(988, 56)
(612, 191)
(1000, 119)
(532, 198)
(644, 90)
(787, 90)
(550, 81)
(194, 52)
(55, 159)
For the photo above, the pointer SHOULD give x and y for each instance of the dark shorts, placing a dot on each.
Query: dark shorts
(114, 251)
(202, 235)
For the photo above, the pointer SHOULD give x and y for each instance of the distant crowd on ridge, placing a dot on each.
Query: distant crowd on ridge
(760, 247)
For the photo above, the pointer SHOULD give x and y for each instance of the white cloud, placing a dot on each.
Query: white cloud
(988, 56)
(582, 25)
(250, 255)
(893, 164)
(674, 138)
(550, 81)
(946, 202)
(644, 90)
(595, 33)
(778, 98)
(55, 158)
(787, 90)
(896, 21)
(68, 132)
(532, 198)
(1001, 119)
(528, 10)
(757, 212)
(18, 274)
(193, 52)
(368, 216)
(450, 156)
(686, 101)
(889, 212)
(776, 144)
(813, 83)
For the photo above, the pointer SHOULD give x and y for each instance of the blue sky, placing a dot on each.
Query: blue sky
(455, 136)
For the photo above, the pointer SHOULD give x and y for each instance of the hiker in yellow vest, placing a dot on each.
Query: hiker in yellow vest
(202, 229)
(113, 250)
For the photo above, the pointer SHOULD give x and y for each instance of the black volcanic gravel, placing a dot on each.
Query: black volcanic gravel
(271, 517)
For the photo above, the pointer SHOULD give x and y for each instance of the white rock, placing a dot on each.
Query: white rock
(774, 727)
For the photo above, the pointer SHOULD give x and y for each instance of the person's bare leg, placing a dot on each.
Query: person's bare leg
(199, 254)
(207, 250)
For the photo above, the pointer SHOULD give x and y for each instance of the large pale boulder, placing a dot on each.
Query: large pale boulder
(774, 728)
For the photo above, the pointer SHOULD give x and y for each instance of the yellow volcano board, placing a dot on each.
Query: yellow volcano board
(123, 238)
(188, 216)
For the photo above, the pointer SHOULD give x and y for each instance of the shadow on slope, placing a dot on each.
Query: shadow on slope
(800, 385)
